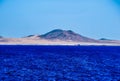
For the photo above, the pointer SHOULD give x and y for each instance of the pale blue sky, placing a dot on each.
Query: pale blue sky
(92, 18)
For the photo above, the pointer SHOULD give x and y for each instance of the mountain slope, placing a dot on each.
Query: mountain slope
(104, 39)
(1, 37)
(33, 36)
(66, 35)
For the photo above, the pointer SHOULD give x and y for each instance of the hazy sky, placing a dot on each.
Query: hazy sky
(92, 18)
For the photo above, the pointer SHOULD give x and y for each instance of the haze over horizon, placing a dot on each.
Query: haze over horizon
(91, 18)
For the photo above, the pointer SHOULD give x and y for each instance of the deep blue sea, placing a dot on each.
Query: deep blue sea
(59, 63)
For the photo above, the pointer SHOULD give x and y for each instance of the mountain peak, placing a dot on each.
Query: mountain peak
(60, 30)
(57, 30)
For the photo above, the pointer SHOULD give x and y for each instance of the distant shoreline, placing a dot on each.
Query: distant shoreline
(50, 45)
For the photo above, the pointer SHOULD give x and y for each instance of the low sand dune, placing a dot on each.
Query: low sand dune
(32, 41)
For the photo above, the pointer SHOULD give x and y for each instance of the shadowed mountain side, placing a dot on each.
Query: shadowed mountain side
(66, 35)
(1, 37)
(104, 39)
(33, 36)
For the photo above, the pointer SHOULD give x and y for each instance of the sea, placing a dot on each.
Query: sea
(59, 63)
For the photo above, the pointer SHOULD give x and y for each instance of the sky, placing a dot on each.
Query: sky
(92, 18)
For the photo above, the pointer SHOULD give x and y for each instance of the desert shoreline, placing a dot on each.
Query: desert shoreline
(57, 45)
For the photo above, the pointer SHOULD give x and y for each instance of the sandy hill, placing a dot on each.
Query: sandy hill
(57, 37)
(63, 35)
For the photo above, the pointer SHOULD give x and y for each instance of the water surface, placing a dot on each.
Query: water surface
(59, 63)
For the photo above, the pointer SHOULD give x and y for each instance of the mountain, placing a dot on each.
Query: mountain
(57, 37)
(109, 40)
(63, 35)
(104, 39)
(66, 35)
(33, 36)
(1, 37)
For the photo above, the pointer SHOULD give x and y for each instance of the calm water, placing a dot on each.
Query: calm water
(59, 63)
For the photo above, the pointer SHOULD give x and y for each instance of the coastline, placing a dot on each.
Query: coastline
(60, 44)
(26, 41)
